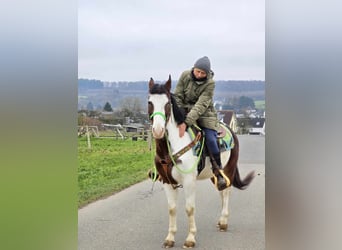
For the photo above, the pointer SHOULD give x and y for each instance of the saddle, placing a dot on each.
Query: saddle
(225, 139)
(225, 142)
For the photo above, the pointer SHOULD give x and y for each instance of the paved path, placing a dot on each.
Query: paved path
(137, 217)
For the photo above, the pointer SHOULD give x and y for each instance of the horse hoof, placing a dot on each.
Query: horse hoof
(222, 227)
(168, 244)
(189, 244)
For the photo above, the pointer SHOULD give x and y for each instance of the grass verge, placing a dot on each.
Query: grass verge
(110, 166)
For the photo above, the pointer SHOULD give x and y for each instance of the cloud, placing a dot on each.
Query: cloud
(130, 40)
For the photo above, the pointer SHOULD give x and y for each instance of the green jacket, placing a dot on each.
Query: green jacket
(197, 99)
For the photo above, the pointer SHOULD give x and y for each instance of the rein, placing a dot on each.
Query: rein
(176, 156)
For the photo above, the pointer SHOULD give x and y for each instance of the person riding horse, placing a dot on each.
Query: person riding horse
(194, 92)
(176, 163)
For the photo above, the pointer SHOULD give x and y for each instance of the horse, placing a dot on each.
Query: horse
(177, 165)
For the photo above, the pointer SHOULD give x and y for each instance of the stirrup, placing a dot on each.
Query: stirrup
(224, 176)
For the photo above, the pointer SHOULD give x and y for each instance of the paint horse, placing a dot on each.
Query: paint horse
(181, 171)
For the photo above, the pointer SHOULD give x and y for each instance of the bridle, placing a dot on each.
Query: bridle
(167, 111)
(158, 113)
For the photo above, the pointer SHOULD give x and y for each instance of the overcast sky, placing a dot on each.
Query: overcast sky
(133, 40)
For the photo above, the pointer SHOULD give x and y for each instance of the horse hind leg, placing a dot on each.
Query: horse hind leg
(172, 201)
(223, 221)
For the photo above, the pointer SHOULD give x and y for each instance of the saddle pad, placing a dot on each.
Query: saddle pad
(196, 150)
(225, 143)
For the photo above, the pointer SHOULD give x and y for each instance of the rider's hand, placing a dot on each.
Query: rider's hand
(182, 128)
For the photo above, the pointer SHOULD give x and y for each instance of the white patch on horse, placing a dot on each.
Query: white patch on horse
(158, 125)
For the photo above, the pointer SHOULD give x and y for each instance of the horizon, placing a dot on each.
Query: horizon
(128, 81)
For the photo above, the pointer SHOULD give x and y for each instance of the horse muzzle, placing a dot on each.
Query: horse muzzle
(158, 132)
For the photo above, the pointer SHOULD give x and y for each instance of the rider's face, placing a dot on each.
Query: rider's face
(199, 73)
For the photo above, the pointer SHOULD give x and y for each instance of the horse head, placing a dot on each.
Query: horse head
(159, 106)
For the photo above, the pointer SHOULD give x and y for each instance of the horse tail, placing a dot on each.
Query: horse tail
(232, 167)
(242, 184)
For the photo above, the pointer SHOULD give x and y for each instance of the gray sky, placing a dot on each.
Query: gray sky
(131, 40)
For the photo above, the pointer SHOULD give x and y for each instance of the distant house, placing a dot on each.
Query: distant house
(107, 114)
(228, 117)
(257, 126)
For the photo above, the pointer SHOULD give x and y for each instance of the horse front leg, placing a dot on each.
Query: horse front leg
(171, 195)
(223, 221)
(189, 191)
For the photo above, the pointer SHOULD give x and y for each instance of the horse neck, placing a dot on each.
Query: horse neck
(161, 147)
(176, 142)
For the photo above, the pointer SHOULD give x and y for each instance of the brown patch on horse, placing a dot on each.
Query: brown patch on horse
(163, 162)
(231, 169)
(214, 179)
(172, 211)
(190, 211)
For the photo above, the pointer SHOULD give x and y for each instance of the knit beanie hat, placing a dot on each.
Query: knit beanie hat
(203, 63)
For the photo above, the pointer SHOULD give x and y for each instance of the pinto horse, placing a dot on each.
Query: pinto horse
(183, 171)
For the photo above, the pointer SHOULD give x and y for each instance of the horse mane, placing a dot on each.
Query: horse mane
(178, 112)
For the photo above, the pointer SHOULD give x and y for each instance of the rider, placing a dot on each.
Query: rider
(194, 92)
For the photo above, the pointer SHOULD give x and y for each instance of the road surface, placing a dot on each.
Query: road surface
(137, 217)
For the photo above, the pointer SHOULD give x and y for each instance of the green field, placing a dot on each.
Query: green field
(110, 166)
(260, 104)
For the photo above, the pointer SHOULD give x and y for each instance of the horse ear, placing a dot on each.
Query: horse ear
(168, 84)
(151, 83)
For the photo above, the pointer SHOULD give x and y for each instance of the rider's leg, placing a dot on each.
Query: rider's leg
(211, 141)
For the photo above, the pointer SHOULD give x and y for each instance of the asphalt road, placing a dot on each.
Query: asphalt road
(137, 217)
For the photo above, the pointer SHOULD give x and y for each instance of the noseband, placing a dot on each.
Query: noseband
(158, 113)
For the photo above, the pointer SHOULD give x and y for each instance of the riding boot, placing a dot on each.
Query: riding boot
(221, 182)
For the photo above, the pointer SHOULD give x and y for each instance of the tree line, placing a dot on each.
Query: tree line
(241, 85)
